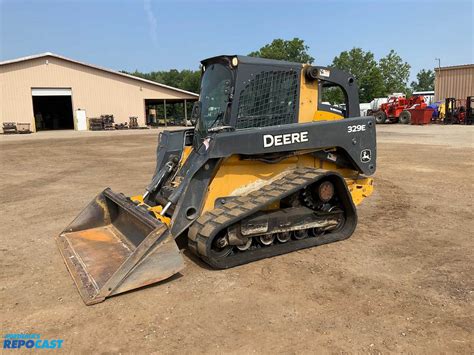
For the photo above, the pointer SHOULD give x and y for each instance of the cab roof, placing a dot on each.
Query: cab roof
(251, 60)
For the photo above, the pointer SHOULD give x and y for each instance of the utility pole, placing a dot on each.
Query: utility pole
(437, 76)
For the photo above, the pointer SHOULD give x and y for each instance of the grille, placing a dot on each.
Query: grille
(269, 99)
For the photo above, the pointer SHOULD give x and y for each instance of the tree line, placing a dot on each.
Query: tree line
(182, 79)
(380, 78)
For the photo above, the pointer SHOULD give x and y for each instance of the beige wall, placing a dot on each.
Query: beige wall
(457, 82)
(96, 91)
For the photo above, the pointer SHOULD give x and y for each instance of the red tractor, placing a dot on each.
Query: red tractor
(397, 109)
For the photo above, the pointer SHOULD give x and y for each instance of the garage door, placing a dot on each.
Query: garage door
(52, 108)
(51, 92)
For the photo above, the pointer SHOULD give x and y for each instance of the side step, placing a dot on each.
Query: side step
(114, 246)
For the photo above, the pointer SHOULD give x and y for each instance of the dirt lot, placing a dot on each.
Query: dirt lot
(402, 283)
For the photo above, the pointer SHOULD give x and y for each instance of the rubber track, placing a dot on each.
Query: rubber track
(207, 226)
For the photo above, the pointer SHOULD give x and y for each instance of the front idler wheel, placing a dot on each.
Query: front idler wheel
(220, 246)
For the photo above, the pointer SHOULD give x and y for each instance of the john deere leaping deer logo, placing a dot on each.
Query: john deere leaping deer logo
(365, 156)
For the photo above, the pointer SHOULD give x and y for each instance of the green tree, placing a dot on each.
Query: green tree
(185, 79)
(191, 80)
(424, 81)
(365, 70)
(395, 73)
(293, 50)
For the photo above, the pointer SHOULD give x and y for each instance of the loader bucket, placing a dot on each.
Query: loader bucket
(114, 246)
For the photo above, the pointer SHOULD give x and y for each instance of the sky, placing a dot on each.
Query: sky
(155, 35)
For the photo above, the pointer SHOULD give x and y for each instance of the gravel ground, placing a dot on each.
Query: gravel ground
(402, 283)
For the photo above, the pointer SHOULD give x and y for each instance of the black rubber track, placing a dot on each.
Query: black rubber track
(206, 227)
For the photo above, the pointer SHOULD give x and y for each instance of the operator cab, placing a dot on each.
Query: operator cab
(239, 92)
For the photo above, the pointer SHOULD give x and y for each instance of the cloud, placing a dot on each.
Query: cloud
(152, 23)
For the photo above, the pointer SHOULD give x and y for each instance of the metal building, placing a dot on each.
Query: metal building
(50, 91)
(456, 81)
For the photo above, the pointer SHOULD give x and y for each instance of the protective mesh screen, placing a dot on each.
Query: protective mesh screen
(269, 99)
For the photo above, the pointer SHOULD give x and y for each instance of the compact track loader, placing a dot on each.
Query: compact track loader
(268, 169)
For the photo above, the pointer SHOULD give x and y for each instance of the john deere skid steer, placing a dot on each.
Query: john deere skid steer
(267, 169)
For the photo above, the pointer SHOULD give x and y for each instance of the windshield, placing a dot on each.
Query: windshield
(214, 97)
